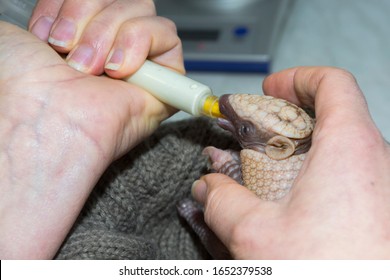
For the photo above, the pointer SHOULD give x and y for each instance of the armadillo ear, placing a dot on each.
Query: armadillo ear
(279, 147)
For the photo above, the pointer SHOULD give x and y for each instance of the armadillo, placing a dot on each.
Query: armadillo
(274, 135)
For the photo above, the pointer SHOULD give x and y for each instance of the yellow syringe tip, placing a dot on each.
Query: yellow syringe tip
(211, 107)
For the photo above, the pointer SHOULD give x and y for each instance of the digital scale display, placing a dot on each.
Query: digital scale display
(198, 35)
(227, 35)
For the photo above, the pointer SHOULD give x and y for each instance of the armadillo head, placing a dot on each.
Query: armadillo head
(266, 124)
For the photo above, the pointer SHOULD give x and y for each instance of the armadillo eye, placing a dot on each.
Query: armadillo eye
(245, 130)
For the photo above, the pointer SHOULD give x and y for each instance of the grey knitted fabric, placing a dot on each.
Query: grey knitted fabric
(131, 214)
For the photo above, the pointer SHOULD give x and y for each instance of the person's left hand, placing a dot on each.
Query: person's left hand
(60, 129)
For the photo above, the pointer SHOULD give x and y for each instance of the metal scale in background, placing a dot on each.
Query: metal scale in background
(217, 35)
(227, 35)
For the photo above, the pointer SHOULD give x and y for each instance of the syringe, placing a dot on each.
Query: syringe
(166, 85)
(176, 90)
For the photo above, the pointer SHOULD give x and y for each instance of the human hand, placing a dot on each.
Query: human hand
(107, 35)
(61, 128)
(339, 205)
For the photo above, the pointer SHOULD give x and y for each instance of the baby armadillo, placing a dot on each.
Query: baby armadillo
(274, 135)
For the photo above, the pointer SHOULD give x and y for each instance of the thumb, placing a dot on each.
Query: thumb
(226, 204)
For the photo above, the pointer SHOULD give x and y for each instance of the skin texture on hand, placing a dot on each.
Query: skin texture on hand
(339, 205)
(60, 128)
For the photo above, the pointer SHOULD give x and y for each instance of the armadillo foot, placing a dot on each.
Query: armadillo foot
(224, 161)
(192, 213)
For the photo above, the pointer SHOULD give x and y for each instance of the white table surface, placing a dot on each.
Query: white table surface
(351, 34)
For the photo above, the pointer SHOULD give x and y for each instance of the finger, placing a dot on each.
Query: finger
(338, 101)
(72, 19)
(91, 50)
(43, 17)
(13, 51)
(140, 38)
(323, 86)
(344, 133)
(227, 205)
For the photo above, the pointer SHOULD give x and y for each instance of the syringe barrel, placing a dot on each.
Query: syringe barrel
(171, 87)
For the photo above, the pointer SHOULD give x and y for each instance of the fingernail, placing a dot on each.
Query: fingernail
(41, 27)
(199, 191)
(114, 60)
(81, 58)
(63, 33)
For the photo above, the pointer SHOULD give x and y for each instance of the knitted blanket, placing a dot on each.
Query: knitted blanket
(131, 214)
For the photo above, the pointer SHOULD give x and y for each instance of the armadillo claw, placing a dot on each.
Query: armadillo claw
(224, 161)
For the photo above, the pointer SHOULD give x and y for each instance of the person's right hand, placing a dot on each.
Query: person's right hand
(107, 35)
(339, 205)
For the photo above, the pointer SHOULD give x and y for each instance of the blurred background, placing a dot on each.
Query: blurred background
(351, 34)
(231, 45)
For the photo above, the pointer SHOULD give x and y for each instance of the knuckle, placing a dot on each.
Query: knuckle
(134, 28)
(150, 6)
(147, 6)
(213, 207)
(168, 23)
(340, 73)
